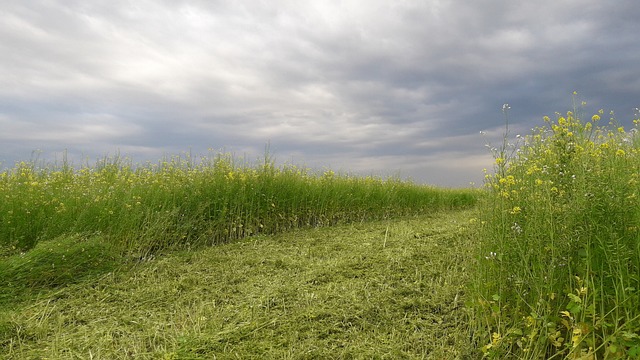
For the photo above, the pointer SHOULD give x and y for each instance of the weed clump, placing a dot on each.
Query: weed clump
(558, 272)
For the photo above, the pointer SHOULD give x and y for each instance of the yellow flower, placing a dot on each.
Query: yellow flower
(495, 338)
(620, 152)
(533, 169)
(516, 210)
(595, 118)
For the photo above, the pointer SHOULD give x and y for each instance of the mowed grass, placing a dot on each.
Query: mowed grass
(387, 289)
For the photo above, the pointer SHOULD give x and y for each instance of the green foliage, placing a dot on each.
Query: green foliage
(61, 261)
(389, 289)
(183, 203)
(558, 267)
(61, 226)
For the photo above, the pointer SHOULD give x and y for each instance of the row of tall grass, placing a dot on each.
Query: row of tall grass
(558, 273)
(185, 202)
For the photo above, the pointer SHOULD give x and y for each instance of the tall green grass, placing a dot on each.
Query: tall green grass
(182, 202)
(558, 272)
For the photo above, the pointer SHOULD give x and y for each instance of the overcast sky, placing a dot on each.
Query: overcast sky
(364, 86)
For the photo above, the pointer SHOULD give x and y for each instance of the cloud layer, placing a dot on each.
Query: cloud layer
(365, 86)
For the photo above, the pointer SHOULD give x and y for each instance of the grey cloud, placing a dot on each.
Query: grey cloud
(363, 85)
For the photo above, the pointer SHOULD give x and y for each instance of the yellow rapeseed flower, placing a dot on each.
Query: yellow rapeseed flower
(620, 152)
(595, 118)
(533, 169)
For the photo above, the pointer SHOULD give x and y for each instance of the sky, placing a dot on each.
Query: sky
(366, 87)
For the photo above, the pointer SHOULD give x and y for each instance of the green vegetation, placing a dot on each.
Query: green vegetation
(183, 203)
(112, 261)
(389, 289)
(558, 272)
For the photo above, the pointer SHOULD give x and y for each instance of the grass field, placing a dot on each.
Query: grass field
(217, 258)
(388, 289)
(115, 261)
(184, 202)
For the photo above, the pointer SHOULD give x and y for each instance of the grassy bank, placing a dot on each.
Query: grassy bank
(558, 271)
(390, 289)
(183, 203)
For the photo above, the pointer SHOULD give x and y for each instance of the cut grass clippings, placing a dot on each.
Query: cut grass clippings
(388, 289)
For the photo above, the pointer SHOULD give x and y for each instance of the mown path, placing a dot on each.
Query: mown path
(390, 289)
